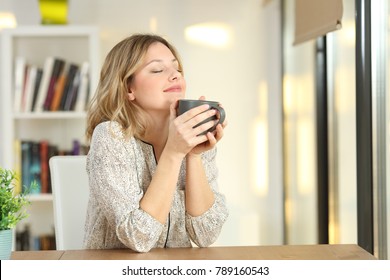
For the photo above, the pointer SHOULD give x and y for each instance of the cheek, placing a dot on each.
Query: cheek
(184, 85)
(138, 87)
(139, 81)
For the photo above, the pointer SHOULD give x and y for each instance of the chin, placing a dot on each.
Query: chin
(174, 97)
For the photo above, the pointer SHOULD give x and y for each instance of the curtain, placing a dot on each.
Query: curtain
(314, 18)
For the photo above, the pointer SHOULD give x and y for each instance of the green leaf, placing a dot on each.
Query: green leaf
(12, 205)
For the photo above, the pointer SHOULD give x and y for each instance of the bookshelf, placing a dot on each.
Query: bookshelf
(73, 44)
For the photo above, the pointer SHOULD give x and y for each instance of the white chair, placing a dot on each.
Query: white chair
(70, 198)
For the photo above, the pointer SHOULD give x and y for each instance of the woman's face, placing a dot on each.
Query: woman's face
(158, 82)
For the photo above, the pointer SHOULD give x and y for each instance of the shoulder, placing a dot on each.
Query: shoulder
(109, 133)
(108, 127)
(109, 145)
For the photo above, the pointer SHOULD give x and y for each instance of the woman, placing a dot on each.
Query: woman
(152, 176)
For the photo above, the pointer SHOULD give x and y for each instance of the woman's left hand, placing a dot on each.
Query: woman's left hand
(212, 139)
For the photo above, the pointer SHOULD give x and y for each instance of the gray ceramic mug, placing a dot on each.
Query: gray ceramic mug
(187, 104)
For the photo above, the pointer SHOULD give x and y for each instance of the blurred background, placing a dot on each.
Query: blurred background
(288, 162)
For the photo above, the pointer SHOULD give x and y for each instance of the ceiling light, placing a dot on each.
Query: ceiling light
(210, 34)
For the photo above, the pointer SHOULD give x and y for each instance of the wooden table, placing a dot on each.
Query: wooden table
(283, 252)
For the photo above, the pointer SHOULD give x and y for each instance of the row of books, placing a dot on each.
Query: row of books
(32, 162)
(57, 86)
(25, 241)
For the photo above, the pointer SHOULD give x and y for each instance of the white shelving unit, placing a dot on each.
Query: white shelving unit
(72, 43)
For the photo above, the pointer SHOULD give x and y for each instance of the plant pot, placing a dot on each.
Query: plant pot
(53, 11)
(5, 244)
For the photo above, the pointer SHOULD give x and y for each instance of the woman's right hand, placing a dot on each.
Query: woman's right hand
(183, 135)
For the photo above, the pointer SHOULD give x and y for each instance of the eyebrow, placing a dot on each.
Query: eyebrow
(159, 61)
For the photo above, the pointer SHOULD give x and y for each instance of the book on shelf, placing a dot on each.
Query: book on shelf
(73, 69)
(18, 165)
(30, 165)
(34, 161)
(28, 93)
(52, 151)
(27, 241)
(44, 85)
(44, 156)
(35, 166)
(83, 93)
(46, 242)
(57, 69)
(36, 88)
(19, 81)
(26, 162)
(72, 93)
(58, 86)
(59, 89)
(22, 238)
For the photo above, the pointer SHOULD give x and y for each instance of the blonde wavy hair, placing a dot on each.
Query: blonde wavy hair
(110, 102)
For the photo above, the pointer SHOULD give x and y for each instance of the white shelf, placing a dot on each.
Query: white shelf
(73, 43)
(50, 115)
(52, 31)
(44, 197)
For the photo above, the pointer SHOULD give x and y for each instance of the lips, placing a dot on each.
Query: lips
(173, 89)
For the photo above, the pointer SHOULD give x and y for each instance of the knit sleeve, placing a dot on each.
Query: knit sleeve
(205, 229)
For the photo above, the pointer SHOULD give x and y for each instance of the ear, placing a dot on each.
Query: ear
(131, 96)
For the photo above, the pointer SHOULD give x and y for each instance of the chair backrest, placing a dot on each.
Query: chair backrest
(70, 189)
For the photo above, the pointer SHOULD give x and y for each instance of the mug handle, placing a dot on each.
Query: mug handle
(221, 114)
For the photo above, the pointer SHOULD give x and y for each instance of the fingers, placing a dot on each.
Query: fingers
(194, 112)
(224, 124)
(192, 125)
(206, 126)
(208, 141)
(172, 110)
(214, 136)
(194, 117)
(218, 132)
(199, 123)
(212, 140)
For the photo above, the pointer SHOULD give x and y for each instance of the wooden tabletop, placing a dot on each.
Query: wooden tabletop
(283, 252)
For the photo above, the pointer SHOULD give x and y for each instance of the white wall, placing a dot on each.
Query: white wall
(245, 76)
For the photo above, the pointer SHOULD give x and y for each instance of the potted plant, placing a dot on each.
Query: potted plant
(12, 209)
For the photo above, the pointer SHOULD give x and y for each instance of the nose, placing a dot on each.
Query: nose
(175, 75)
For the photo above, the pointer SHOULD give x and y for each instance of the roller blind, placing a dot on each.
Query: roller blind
(314, 18)
(266, 2)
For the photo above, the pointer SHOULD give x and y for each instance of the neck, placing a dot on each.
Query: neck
(157, 133)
